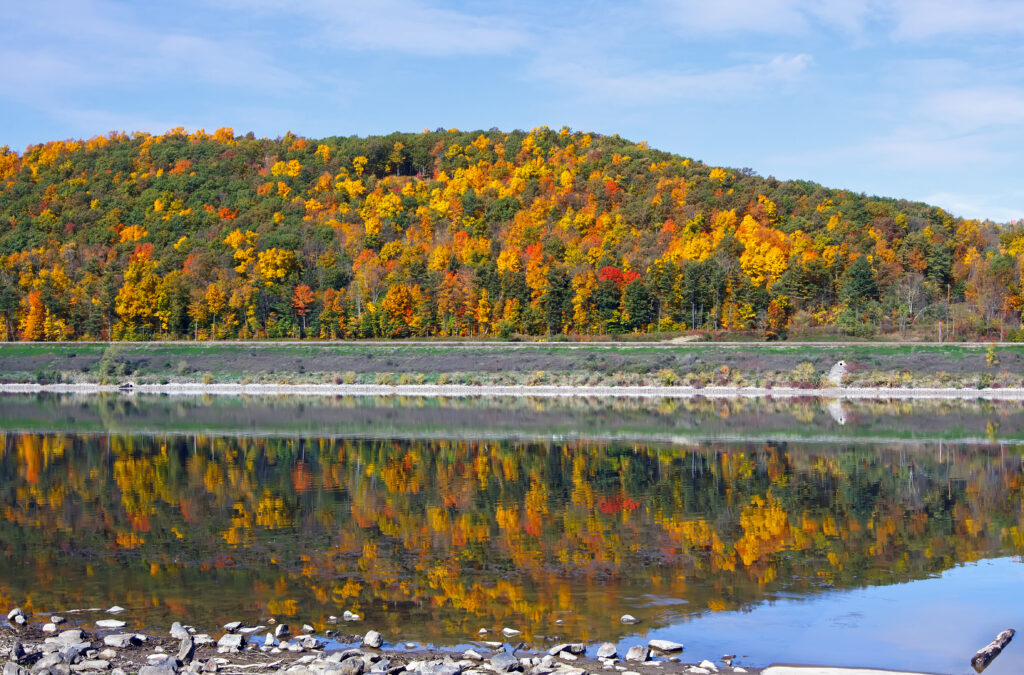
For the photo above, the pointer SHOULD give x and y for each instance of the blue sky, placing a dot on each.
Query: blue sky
(922, 99)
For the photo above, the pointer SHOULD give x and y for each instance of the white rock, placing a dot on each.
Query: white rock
(738, 669)
(268, 641)
(15, 612)
(116, 609)
(697, 670)
(638, 653)
(836, 374)
(373, 639)
(494, 645)
(57, 619)
(629, 618)
(110, 623)
(607, 651)
(306, 628)
(108, 654)
(566, 656)
(473, 655)
(50, 628)
(709, 665)
(510, 632)
(483, 631)
(665, 646)
(350, 616)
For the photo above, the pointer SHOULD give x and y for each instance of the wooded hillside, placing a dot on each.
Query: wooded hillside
(468, 233)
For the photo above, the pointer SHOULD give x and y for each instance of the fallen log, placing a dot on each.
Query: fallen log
(990, 651)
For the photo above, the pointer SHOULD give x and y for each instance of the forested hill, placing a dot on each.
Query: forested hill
(466, 233)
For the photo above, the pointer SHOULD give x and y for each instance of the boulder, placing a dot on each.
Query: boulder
(638, 653)
(607, 651)
(505, 662)
(373, 639)
(666, 646)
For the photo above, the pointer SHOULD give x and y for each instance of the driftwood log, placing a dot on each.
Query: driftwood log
(990, 651)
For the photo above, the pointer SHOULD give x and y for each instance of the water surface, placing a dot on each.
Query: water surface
(877, 535)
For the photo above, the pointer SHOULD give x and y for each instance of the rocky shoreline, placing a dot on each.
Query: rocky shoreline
(54, 645)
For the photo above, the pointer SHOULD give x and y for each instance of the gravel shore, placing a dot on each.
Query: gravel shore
(57, 645)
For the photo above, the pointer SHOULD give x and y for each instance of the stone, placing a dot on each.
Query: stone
(56, 619)
(607, 651)
(629, 618)
(306, 628)
(232, 626)
(666, 646)
(120, 640)
(202, 639)
(107, 654)
(165, 668)
(47, 662)
(494, 645)
(12, 668)
(353, 665)
(697, 670)
(187, 650)
(118, 671)
(350, 616)
(94, 664)
(17, 651)
(50, 628)
(472, 655)
(231, 641)
(567, 656)
(503, 662)
(709, 665)
(373, 639)
(510, 632)
(638, 653)
(737, 669)
(311, 642)
(140, 637)
(14, 612)
(110, 623)
(178, 631)
(20, 620)
(71, 637)
(576, 648)
(116, 609)
(268, 640)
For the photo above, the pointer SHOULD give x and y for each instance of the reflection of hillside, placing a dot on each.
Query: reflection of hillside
(440, 537)
(495, 418)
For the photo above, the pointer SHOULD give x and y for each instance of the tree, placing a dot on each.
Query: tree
(302, 299)
(858, 284)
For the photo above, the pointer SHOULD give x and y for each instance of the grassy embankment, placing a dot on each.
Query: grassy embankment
(579, 364)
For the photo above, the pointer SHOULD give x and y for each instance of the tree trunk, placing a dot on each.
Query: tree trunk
(990, 651)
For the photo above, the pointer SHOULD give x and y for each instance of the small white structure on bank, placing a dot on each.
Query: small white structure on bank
(836, 374)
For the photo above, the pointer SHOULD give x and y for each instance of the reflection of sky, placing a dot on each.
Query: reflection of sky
(931, 625)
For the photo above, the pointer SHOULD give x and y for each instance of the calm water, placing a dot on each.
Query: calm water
(875, 534)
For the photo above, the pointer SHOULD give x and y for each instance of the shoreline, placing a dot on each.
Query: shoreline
(69, 646)
(521, 391)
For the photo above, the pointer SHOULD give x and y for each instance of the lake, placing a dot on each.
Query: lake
(872, 533)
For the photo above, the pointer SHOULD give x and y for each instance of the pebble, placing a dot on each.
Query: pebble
(665, 646)
(629, 618)
(607, 651)
(373, 639)
(110, 623)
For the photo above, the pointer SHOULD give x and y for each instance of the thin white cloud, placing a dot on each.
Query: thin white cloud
(414, 27)
(638, 87)
(926, 19)
(775, 17)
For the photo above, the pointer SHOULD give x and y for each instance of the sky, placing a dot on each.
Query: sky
(919, 99)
